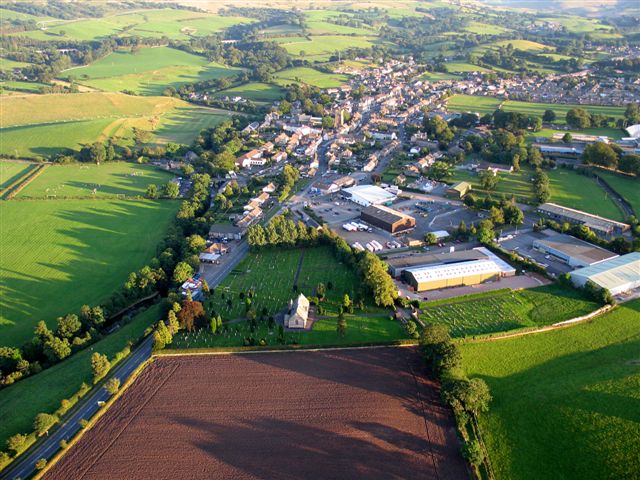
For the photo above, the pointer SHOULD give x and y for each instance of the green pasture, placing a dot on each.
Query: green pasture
(565, 402)
(184, 124)
(149, 71)
(321, 47)
(471, 103)
(11, 171)
(44, 391)
(8, 64)
(19, 87)
(485, 29)
(517, 183)
(438, 76)
(271, 275)
(318, 24)
(500, 311)
(570, 189)
(107, 180)
(310, 76)
(57, 255)
(255, 91)
(627, 187)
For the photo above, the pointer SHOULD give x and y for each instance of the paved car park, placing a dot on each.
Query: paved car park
(522, 244)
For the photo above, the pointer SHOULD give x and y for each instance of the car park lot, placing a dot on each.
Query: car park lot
(522, 244)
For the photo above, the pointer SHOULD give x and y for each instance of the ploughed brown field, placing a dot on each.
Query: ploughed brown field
(341, 414)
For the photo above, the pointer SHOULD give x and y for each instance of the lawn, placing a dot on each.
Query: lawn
(502, 310)
(107, 180)
(573, 190)
(310, 76)
(12, 171)
(565, 403)
(271, 274)
(627, 187)
(517, 183)
(149, 71)
(57, 255)
(44, 391)
(255, 91)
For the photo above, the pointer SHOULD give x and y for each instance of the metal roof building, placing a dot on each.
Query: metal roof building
(617, 275)
(596, 223)
(573, 251)
(366, 195)
(387, 218)
(432, 277)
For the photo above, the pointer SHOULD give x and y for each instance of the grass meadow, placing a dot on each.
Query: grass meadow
(310, 76)
(148, 71)
(56, 255)
(565, 402)
(108, 180)
(517, 183)
(321, 47)
(627, 187)
(501, 310)
(11, 171)
(44, 391)
(183, 124)
(255, 91)
(577, 191)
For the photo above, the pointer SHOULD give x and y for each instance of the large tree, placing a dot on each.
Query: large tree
(599, 153)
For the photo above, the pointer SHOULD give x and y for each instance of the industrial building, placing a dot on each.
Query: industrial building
(387, 219)
(436, 275)
(397, 265)
(366, 195)
(573, 251)
(618, 275)
(459, 190)
(600, 225)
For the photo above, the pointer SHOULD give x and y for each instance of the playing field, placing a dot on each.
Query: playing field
(109, 179)
(310, 76)
(470, 103)
(44, 391)
(507, 310)
(565, 403)
(577, 191)
(57, 255)
(627, 187)
(517, 183)
(149, 71)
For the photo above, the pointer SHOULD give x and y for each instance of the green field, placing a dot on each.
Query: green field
(271, 274)
(628, 187)
(255, 91)
(108, 180)
(485, 28)
(12, 171)
(44, 391)
(613, 133)
(565, 403)
(147, 72)
(577, 191)
(57, 255)
(470, 103)
(321, 47)
(317, 24)
(184, 124)
(517, 183)
(310, 76)
(507, 310)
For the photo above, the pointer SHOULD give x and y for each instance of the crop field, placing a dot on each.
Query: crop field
(507, 310)
(255, 91)
(149, 71)
(107, 180)
(70, 251)
(577, 191)
(251, 416)
(628, 187)
(44, 391)
(565, 403)
(12, 171)
(310, 76)
(323, 46)
(517, 183)
(272, 275)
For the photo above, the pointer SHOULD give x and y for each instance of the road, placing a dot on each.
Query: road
(89, 405)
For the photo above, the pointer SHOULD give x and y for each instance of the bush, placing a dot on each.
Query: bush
(472, 452)
(112, 386)
(40, 464)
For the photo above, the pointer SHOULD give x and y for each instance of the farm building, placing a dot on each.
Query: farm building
(561, 153)
(397, 265)
(224, 230)
(298, 313)
(366, 195)
(459, 190)
(437, 275)
(618, 275)
(387, 218)
(600, 225)
(573, 251)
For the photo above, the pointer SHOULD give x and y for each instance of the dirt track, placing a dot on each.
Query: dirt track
(332, 414)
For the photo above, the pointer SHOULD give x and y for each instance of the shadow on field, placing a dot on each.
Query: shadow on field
(577, 415)
(56, 270)
(126, 184)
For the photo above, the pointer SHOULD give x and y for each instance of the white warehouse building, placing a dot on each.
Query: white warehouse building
(618, 275)
(367, 195)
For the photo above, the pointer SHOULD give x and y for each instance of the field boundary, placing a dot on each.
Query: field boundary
(18, 185)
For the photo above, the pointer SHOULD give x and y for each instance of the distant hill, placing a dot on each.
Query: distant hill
(585, 7)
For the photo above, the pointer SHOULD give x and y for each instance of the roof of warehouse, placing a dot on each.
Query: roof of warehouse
(386, 214)
(613, 273)
(576, 248)
(434, 258)
(579, 215)
(455, 270)
(371, 193)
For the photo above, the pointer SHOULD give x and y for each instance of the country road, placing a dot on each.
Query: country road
(46, 447)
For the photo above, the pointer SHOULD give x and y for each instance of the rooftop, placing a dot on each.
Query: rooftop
(578, 249)
(584, 217)
(386, 214)
(442, 272)
(614, 272)
(371, 193)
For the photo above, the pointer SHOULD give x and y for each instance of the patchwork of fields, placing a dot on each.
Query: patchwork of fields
(565, 403)
(57, 255)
